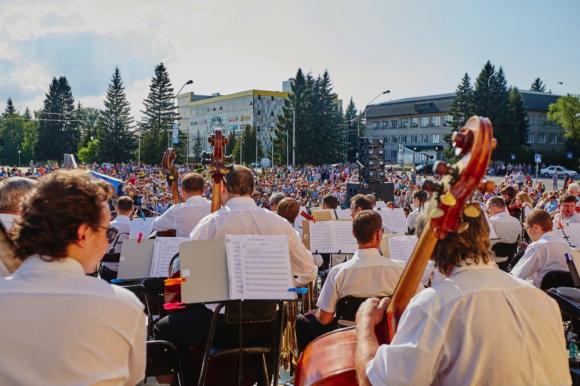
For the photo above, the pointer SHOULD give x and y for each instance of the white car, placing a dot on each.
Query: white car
(562, 171)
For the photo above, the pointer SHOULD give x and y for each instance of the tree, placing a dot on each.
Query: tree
(566, 113)
(351, 117)
(538, 86)
(246, 144)
(231, 142)
(11, 133)
(88, 117)
(198, 147)
(116, 141)
(518, 123)
(158, 117)
(10, 111)
(461, 109)
(58, 131)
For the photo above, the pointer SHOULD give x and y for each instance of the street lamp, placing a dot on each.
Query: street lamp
(19, 157)
(176, 95)
(294, 137)
(366, 106)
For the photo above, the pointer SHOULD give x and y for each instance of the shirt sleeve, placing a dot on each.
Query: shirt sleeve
(137, 353)
(204, 230)
(415, 355)
(529, 264)
(329, 293)
(302, 261)
(165, 222)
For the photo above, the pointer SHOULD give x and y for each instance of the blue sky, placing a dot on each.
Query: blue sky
(410, 47)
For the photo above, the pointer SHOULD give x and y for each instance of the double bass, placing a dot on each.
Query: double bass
(330, 359)
(216, 163)
(171, 173)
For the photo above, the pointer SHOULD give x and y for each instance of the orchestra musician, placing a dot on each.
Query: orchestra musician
(567, 215)
(367, 274)
(419, 199)
(185, 216)
(358, 203)
(122, 223)
(477, 326)
(545, 253)
(59, 326)
(506, 227)
(275, 200)
(239, 215)
(12, 191)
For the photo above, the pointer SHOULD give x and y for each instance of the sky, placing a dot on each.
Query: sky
(410, 47)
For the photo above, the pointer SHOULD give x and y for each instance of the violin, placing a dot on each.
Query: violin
(330, 359)
(217, 168)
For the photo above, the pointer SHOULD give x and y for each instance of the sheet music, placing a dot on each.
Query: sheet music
(259, 267)
(401, 246)
(143, 225)
(573, 233)
(381, 205)
(164, 250)
(394, 220)
(343, 214)
(332, 237)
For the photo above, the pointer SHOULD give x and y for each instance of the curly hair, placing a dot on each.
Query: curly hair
(52, 214)
(470, 246)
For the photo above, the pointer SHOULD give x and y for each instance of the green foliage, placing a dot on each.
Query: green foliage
(58, 131)
(518, 124)
(232, 138)
(319, 123)
(538, 86)
(461, 109)
(158, 116)
(566, 113)
(113, 129)
(198, 147)
(351, 117)
(17, 133)
(89, 153)
(87, 117)
(246, 144)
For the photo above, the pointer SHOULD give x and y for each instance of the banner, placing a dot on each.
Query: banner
(175, 133)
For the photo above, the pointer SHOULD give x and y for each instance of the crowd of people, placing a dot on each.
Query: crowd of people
(478, 289)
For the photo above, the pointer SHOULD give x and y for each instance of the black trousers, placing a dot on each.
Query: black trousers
(309, 328)
(190, 327)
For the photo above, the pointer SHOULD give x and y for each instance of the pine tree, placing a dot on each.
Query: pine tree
(231, 142)
(518, 122)
(114, 126)
(246, 143)
(158, 117)
(198, 147)
(10, 111)
(11, 133)
(538, 86)
(27, 114)
(351, 117)
(58, 131)
(482, 99)
(325, 133)
(461, 109)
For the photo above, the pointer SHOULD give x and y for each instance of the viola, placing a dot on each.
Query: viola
(330, 359)
(217, 168)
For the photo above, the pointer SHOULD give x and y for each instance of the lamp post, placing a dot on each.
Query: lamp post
(294, 137)
(256, 162)
(139, 151)
(366, 106)
(19, 157)
(176, 95)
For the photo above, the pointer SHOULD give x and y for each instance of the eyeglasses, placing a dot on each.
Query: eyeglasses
(111, 232)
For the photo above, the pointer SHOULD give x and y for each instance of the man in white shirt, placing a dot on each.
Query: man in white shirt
(478, 326)
(122, 223)
(567, 215)
(507, 227)
(184, 217)
(12, 191)
(545, 253)
(367, 274)
(59, 326)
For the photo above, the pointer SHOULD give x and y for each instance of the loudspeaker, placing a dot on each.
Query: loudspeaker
(384, 191)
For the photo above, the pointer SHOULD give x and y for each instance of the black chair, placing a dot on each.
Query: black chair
(241, 314)
(505, 250)
(154, 290)
(346, 309)
(163, 359)
(555, 279)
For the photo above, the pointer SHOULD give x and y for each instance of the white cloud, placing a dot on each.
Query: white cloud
(28, 79)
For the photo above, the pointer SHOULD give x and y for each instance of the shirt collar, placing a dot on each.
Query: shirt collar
(473, 266)
(547, 236)
(122, 217)
(241, 202)
(67, 264)
(194, 199)
(367, 252)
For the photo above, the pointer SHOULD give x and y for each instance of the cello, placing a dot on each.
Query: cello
(217, 168)
(330, 359)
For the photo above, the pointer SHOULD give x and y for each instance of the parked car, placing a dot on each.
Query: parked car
(562, 171)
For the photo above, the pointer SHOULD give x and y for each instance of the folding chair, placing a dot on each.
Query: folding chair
(245, 313)
(505, 251)
(163, 359)
(555, 279)
(346, 309)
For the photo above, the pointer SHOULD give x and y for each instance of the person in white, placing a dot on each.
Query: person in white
(507, 228)
(184, 217)
(545, 253)
(122, 223)
(419, 200)
(567, 214)
(367, 274)
(477, 326)
(59, 326)
(12, 191)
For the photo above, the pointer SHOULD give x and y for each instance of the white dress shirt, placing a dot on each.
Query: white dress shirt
(61, 327)
(507, 228)
(183, 217)
(367, 274)
(574, 219)
(241, 216)
(541, 257)
(123, 225)
(480, 326)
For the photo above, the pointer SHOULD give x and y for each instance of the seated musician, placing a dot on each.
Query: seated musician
(358, 203)
(184, 217)
(367, 274)
(122, 223)
(12, 192)
(545, 253)
(275, 200)
(507, 227)
(478, 326)
(239, 215)
(58, 325)
(567, 215)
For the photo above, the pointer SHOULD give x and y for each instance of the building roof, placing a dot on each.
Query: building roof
(440, 103)
(221, 98)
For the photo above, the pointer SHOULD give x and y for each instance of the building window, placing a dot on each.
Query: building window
(413, 139)
(387, 139)
(424, 138)
(258, 112)
(272, 114)
(531, 120)
(554, 139)
(435, 138)
(403, 139)
(394, 123)
(272, 98)
(259, 97)
(424, 121)
(531, 138)
(393, 154)
(436, 121)
(447, 119)
(404, 122)
(541, 138)
(395, 138)
(414, 122)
